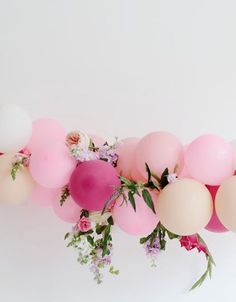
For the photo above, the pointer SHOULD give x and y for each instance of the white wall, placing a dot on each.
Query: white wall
(121, 67)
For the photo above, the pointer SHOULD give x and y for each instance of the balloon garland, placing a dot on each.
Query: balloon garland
(152, 187)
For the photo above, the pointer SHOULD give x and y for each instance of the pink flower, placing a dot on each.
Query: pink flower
(191, 242)
(83, 225)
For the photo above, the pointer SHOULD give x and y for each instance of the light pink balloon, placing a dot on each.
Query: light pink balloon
(45, 130)
(184, 172)
(51, 166)
(43, 196)
(160, 150)
(125, 150)
(139, 223)
(209, 159)
(69, 211)
(97, 140)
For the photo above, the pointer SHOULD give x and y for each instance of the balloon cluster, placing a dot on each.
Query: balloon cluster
(141, 183)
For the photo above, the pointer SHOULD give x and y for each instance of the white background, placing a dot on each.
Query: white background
(116, 67)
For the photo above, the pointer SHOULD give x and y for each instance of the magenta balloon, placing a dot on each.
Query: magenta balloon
(160, 150)
(51, 166)
(125, 150)
(45, 130)
(69, 211)
(42, 196)
(92, 183)
(214, 224)
(209, 159)
(139, 223)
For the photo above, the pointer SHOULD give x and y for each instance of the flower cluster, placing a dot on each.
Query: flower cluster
(93, 245)
(20, 160)
(192, 242)
(152, 250)
(83, 149)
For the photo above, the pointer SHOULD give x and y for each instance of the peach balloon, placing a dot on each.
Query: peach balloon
(125, 150)
(160, 150)
(139, 223)
(225, 203)
(14, 191)
(185, 207)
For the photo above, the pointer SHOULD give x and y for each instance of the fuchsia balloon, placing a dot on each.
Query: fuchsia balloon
(43, 196)
(139, 223)
(69, 211)
(45, 130)
(125, 150)
(160, 150)
(51, 166)
(92, 183)
(210, 159)
(214, 224)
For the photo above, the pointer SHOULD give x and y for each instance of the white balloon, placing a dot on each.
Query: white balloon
(15, 128)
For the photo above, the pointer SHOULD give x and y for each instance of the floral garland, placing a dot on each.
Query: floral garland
(145, 191)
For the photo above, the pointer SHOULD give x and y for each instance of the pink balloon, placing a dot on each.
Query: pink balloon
(92, 183)
(214, 224)
(125, 150)
(45, 130)
(51, 166)
(184, 172)
(209, 159)
(43, 196)
(139, 223)
(69, 211)
(97, 140)
(160, 150)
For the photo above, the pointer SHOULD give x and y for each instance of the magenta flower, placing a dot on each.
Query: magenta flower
(191, 242)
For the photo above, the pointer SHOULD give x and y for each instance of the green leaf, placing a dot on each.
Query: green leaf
(148, 172)
(148, 200)
(65, 193)
(164, 181)
(172, 235)
(100, 229)
(163, 244)
(132, 200)
(67, 235)
(113, 197)
(125, 181)
(144, 239)
(90, 240)
(110, 220)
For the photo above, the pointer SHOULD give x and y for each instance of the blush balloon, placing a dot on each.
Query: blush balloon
(46, 131)
(210, 159)
(140, 222)
(160, 150)
(69, 211)
(214, 224)
(92, 184)
(42, 196)
(125, 151)
(51, 166)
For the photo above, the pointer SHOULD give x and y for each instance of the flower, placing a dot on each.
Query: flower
(81, 154)
(171, 178)
(152, 249)
(83, 225)
(191, 242)
(108, 154)
(78, 138)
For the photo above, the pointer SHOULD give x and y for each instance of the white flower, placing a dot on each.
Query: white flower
(172, 178)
